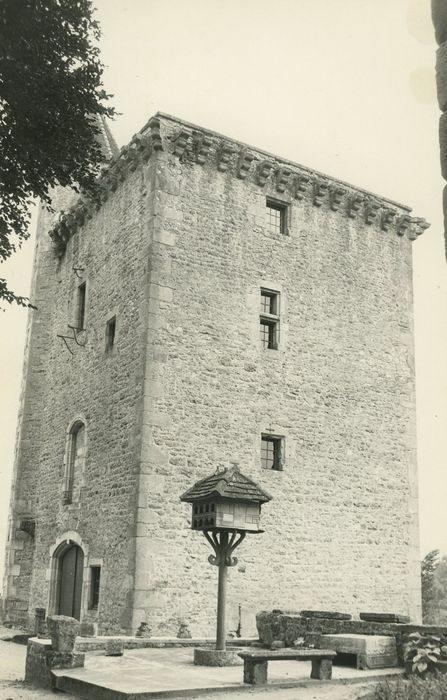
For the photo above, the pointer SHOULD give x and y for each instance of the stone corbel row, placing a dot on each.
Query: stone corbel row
(301, 185)
(128, 159)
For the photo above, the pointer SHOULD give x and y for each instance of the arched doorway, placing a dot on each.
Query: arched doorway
(70, 575)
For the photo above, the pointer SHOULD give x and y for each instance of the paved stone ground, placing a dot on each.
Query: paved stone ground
(12, 664)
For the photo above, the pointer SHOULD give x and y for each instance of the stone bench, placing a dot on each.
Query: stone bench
(256, 661)
(371, 650)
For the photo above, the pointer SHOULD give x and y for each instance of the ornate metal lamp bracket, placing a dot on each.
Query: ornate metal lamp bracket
(224, 543)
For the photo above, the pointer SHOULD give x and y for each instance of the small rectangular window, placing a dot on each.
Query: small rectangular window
(271, 452)
(269, 319)
(80, 307)
(276, 216)
(268, 335)
(110, 333)
(95, 579)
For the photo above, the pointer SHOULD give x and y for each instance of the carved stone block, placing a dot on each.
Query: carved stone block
(283, 179)
(336, 195)
(183, 631)
(354, 205)
(418, 226)
(180, 142)
(63, 631)
(372, 209)
(403, 225)
(320, 189)
(387, 218)
(301, 186)
(154, 127)
(114, 647)
(244, 164)
(143, 631)
(203, 147)
(263, 171)
(224, 157)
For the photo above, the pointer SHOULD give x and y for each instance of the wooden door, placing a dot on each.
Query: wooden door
(71, 566)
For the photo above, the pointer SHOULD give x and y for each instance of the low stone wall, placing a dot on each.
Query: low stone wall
(87, 644)
(287, 627)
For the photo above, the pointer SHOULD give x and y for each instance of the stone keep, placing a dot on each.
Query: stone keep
(218, 303)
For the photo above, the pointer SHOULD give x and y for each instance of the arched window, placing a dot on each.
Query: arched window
(74, 458)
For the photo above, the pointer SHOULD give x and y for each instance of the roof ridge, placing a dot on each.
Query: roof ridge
(224, 487)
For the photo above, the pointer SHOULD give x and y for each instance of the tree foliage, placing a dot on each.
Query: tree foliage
(441, 591)
(429, 565)
(50, 91)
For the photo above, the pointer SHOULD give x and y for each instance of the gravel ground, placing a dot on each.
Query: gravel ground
(12, 672)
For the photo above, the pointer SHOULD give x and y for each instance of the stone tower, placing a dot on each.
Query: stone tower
(220, 305)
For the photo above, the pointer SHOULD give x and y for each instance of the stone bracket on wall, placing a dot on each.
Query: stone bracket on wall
(28, 525)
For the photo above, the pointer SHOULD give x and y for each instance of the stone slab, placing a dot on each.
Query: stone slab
(326, 614)
(149, 673)
(372, 651)
(385, 617)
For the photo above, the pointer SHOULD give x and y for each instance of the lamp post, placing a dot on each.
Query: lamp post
(225, 506)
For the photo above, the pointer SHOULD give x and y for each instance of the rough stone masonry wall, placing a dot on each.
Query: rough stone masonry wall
(439, 15)
(105, 390)
(341, 531)
(20, 546)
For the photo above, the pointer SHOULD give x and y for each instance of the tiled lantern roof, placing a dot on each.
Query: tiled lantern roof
(228, 483)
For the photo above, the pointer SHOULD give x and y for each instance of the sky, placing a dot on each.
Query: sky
(343, 86)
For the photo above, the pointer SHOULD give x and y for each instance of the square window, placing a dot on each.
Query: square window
(110, 333)
(271, 452)
(276, 216)
(95, 580)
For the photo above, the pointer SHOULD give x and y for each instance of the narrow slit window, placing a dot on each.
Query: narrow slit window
(75, 459)
(269, 319)
(80, 307)
(110, 333)
(95, 581)
(271, 452)
(276, 216)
